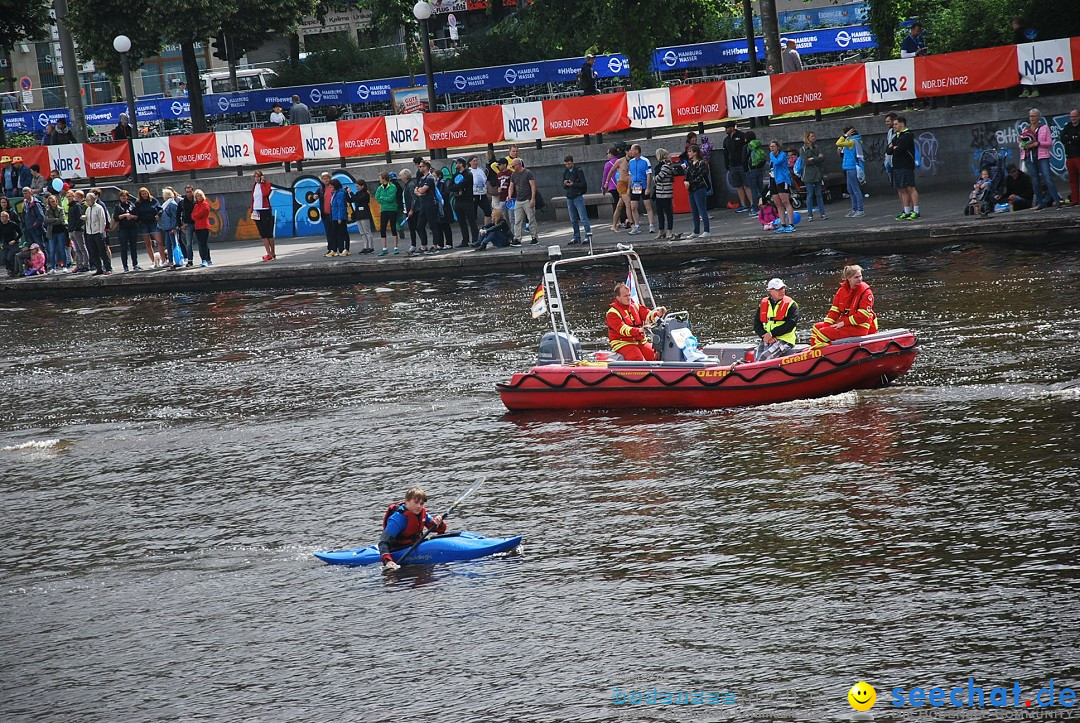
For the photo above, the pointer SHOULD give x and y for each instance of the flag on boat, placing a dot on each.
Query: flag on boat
(632, 284)
(539, 302)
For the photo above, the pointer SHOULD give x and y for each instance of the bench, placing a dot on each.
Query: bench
(597, 205)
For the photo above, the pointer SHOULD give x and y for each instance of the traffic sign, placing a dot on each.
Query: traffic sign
(25, 83)
(451, 20)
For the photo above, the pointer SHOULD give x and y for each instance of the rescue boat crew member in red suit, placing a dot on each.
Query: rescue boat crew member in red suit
(625, 322)
(852, 312)
(404, 523)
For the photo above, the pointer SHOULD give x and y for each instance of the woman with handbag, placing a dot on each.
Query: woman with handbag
(262, 215)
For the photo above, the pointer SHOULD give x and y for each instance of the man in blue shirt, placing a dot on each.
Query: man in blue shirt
(640, 188)
(914, 44)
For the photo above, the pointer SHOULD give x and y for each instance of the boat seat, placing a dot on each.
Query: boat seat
(871, 337)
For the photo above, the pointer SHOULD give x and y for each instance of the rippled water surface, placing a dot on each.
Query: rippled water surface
(170, 463)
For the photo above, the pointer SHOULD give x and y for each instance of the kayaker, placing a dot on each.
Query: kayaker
(626, 320)
(404, 523)
(852, 311)
(775, 322)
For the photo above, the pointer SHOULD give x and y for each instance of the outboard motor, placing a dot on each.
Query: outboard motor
(550, 345)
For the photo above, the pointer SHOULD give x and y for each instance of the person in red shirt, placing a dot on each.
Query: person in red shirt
(200, 215)
(852, 311)
(626, 320)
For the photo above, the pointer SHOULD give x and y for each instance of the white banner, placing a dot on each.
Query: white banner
(68, 160)
(406, 132)
(1047, 61)
(890, 80)
(235, 148)
(749, 97)
(524, 121)
(152, 155)
(649, 108)
(320, 140)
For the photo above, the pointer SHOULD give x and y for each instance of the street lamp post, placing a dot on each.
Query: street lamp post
(122, 44)
(423, 10)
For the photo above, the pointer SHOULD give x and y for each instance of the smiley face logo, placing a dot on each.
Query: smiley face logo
(862, 696)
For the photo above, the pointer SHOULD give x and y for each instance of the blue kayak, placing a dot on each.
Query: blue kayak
(443, 548)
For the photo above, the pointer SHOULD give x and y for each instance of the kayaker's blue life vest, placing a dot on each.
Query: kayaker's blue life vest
(414, 524)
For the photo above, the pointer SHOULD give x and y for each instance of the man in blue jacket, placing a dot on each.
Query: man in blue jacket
(576, 187)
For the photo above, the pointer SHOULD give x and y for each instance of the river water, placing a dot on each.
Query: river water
(170, 463)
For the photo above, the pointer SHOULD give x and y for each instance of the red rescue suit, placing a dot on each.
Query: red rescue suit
(625, 331)
(854, 308)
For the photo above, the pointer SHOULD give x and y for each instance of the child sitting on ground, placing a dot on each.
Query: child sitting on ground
(767, 216)
(36, 264)
(980, 192)
(497, 233)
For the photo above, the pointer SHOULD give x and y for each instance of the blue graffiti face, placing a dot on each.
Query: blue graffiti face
(307, 197)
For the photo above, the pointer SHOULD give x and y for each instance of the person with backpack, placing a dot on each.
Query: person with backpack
(902, 149)
(663, 183)
(576, 187)
(757, 157)
(780, 186)
(697, 183)
(735, 153)
(850, 143)
(587, 76)
(404, 524)
(427, 208)
(813, 174)
(463, 201)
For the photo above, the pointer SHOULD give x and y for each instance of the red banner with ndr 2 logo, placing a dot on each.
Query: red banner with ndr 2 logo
(362, 137)
(585, 115)
(972, 71)
(475, 126)
(277, 145)
(698, 103)
(819, 88)
(107, 159)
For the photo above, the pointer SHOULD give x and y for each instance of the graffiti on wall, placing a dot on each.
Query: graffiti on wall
(927, 143)
(987, 136)
(296, 210)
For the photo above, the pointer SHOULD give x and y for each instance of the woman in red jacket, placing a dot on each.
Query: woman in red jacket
(852, 311)
(200, 215)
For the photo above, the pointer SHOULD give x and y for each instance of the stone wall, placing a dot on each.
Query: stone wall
(951, 141)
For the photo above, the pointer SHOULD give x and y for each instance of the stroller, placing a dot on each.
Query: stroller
(981, 200)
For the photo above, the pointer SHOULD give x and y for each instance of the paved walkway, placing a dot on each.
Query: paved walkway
(300, 261)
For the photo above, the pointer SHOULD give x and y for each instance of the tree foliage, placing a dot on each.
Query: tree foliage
(339, 58)
(953, 26)
(23, 20)
(559, 28)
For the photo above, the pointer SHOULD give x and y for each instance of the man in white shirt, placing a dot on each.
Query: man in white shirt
(479, 188)
(277, 118)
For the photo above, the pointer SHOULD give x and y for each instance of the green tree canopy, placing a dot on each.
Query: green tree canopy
(23, 20)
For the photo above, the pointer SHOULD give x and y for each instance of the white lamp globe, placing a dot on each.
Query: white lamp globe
(121, 43)
(423, 10)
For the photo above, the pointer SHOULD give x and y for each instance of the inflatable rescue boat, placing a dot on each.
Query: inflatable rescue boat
(564, 378)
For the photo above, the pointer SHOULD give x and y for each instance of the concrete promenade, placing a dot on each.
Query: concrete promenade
(300, 261)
